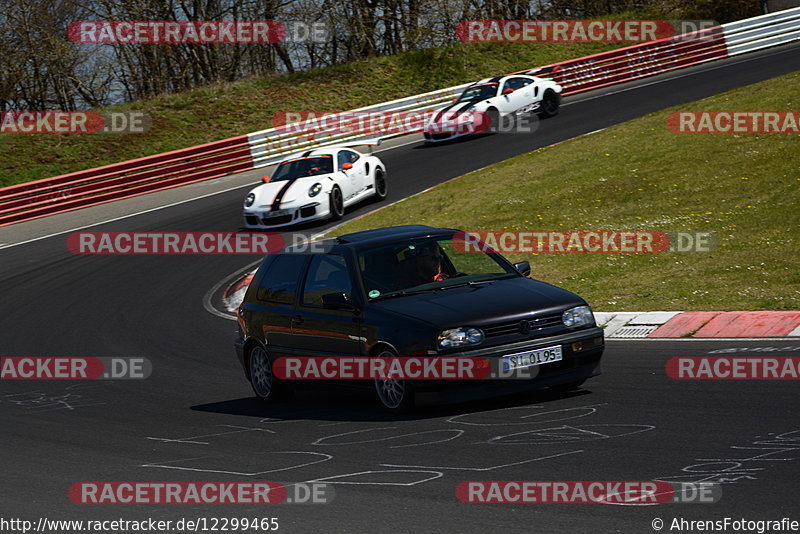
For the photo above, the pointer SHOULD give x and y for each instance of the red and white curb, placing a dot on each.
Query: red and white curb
(233, 295)
(700, 324)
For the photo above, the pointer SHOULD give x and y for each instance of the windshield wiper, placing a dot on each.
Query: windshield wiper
(403, 293)
(473, 283)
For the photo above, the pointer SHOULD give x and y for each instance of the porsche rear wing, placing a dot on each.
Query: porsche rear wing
(541, 71)
(364, 142)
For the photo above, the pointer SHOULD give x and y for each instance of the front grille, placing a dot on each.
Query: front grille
(274, 221)
(308, 211)
(513, 327)
(252, 220)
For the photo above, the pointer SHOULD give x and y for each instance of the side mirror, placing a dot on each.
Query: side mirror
(265, 179)
(347, 166)
(508, 91)
(339, 301)
(523, 267)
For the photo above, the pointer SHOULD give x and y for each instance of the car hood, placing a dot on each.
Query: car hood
(457, 108)
(498, 301)
(290, 190)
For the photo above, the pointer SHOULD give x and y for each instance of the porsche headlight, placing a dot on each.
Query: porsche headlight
(580, 316)
(249, 199)
(458, 337)
(315, 189)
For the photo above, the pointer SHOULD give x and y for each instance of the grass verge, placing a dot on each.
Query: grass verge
(640, 176)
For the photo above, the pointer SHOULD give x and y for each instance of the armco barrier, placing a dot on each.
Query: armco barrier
(122, 180)
(259, 149)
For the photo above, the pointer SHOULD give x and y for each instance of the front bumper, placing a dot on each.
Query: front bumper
(255, 218)
(581, 350)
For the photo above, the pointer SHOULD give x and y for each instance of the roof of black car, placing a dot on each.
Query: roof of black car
(390, 233)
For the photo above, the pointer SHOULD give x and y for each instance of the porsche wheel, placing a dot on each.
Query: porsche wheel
(549, 105)
(336, 203)
(494, 120)
(380, 184)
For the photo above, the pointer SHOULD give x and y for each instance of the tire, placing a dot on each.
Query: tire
(380, 185)
(494, 120)
(266, 387)
(395, 396)
(336, 203)
(549, 105)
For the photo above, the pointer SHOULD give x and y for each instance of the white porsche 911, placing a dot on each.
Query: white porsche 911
(485, 105)
(315, 184)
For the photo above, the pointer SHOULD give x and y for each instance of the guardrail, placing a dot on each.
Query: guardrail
(260, 149)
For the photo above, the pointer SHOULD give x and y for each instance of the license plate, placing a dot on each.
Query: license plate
(276, 213)
(531, 358)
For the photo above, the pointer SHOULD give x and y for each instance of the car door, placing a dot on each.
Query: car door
(321, 331)
(355, 177)
(519, 98)
(274, 305)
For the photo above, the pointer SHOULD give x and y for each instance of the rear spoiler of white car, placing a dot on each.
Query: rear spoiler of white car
(540, 70)
(369, 142)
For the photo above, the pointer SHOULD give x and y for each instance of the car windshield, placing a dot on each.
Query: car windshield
(479, 92)
(301, 167)
(428, 264)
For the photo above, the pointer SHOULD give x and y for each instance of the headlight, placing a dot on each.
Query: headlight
(580, 316)
(249, 199)
(315, 189)
(457, 337)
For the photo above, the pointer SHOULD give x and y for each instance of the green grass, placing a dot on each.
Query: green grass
(222, 111)
(638, 175)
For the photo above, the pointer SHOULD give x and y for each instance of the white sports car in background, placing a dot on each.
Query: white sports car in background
(485, 105)
(315, 184)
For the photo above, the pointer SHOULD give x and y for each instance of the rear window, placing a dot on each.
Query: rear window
(279, 283)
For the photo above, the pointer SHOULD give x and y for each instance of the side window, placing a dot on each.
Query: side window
(279, 283)
(525, 81)
(327, 274)
(346, 156)
(514, 83)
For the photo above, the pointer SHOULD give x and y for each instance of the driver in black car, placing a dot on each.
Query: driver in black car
(426, 266)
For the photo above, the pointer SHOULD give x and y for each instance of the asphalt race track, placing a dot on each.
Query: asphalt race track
(195, 418)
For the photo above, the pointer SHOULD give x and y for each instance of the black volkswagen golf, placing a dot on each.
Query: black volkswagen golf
(411, 291)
